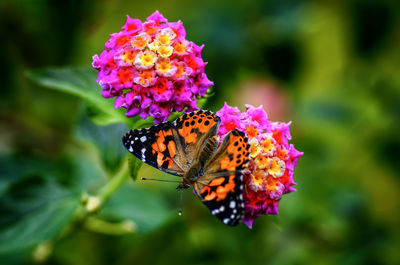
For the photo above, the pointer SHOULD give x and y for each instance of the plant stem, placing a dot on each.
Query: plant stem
(82, 214)
(113, 185)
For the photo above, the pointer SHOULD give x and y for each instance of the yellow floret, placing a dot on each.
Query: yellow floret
(165, 51)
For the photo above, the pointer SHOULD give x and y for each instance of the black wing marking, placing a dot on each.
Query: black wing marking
(224, 201)
(194, 129)
(156, 146)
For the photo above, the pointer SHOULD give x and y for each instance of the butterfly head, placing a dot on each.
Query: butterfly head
(184, 184)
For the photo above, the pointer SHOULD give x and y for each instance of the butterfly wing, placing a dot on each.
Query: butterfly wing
(221, 186)
(232, 155)
(173, 147)
(224, 197)
(159, 146)
(194, 130)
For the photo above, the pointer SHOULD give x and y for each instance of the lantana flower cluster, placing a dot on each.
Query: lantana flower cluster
(269, 174)
(152, 69)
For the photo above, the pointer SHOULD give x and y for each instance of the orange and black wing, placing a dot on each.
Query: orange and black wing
(221, 186)
(173, 147)
(159, 146)
(194, 130)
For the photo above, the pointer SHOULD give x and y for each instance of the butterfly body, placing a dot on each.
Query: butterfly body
(196, 172)
(188, 148)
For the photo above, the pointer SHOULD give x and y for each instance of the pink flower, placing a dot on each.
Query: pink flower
(152, 69)
(132, 25)
(269, 174)
(232, 119)
(178, 28)
(257, 114)
(157, 18)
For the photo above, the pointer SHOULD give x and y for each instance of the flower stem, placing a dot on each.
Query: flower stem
(91, 205)
(113, 185)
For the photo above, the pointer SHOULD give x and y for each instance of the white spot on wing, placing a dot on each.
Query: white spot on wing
(143, 151)
(143, 139)
(130, 149)
(225, 221)
(232, 204)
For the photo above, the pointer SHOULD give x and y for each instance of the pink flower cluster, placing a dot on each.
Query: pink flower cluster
(269, 174)
(152, 69)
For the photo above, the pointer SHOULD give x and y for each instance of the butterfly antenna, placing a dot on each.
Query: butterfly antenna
(162, 180)
(180, 203)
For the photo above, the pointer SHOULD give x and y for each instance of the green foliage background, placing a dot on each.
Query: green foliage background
(331, 67)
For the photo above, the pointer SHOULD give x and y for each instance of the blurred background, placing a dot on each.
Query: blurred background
(330, 67)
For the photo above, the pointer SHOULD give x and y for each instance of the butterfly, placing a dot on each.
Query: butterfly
(188, 148)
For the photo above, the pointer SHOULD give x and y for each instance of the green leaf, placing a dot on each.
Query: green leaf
(134, 165)
(39, 196)
(145, 208)
(106, 139)
(81, 82)
(34, 210)
(201, 101)
(12, 168)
